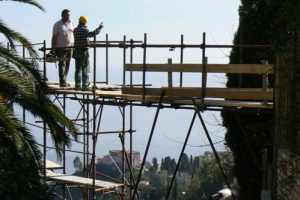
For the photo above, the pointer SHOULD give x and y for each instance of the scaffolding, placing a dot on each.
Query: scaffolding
(129, 94)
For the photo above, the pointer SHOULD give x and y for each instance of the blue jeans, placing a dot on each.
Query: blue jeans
(81, 68)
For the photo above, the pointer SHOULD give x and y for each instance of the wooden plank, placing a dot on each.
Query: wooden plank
(210, 68)
(52, 165)
(81, 181)
(208, 103)
(154, 96)
(224, 93)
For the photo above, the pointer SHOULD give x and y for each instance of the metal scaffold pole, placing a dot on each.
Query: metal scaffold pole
(144, 94)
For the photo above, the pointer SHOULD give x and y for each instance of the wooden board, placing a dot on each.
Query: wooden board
(52, 165)
(153, 95)
(210, 68)
(224, 93)
(76, 180)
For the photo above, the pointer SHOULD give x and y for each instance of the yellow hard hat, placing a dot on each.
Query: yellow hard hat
(83, 19)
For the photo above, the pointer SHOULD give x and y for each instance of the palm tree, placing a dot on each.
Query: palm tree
(22, 84)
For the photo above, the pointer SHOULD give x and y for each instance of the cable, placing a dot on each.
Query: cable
(191, 145)
(211, 35)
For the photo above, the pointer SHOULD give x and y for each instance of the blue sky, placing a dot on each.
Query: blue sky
(164, 21)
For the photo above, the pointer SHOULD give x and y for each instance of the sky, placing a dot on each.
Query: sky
(164, 22)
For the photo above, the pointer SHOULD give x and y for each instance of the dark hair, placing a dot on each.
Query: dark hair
(64, 11)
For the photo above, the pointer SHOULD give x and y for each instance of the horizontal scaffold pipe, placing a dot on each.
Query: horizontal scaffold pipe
(122, 45)
(118, 41)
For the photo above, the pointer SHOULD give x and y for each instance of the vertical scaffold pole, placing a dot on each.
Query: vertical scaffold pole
(123, 120)
(44, 61)
(64, 147)
(106, 58)
(131, 178)
(84, 143)
(88, 173)
(124, 59)
(131, 60)
(94, 125)
(181, 58)
(123, 149)
(203, 86)
(95, 67)
(44, 124)
(144, 65)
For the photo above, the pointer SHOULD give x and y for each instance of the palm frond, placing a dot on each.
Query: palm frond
(57, 122)
(9, 131)
(21, 90)
(13, 36)
(27, 67)
(14, 83)
(31, 2)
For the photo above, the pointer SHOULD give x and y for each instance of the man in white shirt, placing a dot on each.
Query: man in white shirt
(62, 39)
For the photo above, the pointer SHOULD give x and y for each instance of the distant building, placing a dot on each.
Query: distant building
(116, 156)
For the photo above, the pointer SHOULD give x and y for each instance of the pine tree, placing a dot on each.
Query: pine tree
(155, 164)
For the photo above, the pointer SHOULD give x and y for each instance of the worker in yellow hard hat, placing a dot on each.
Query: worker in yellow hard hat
(83, 19)
(81, 53)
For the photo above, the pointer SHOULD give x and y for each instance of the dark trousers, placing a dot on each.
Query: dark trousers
(64, 57)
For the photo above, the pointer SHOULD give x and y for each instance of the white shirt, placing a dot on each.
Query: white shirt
(64, 33)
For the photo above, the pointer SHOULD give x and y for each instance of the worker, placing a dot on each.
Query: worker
(81, 53)
(62, 36)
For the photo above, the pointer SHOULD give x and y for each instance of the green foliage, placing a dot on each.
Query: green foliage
(108, 170)
(155, 164)
(20, 178)
(22, 85)
(249, 134)
(168, 164)
(77, 164)
(184, 164)
(207, 178)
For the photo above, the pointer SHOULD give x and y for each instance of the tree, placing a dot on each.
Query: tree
(275, 23)
(191, 171)
(77, 163)
(172, 166)
(155, 164)
(196, 164)
(162, 165)
(184, 163)
(22, 84)
(167, 164)
(208, 178)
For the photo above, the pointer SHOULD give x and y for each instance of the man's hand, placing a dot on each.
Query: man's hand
(101, 26)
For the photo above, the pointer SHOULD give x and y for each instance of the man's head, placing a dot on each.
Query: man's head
(83, 20)
(65, 15)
